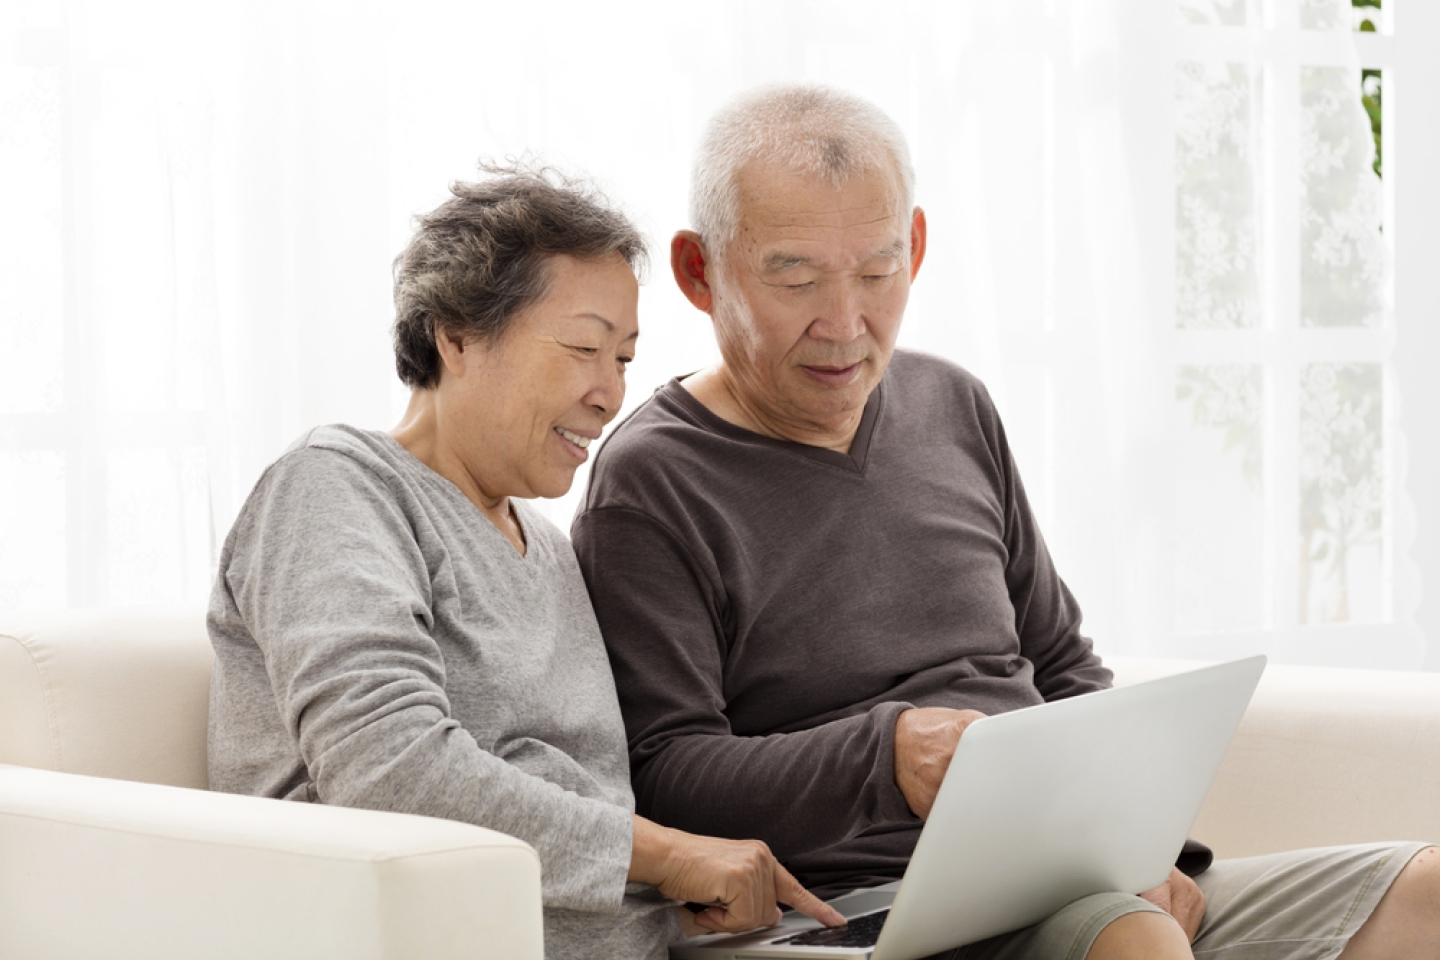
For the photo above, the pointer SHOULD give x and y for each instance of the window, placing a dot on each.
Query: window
(1289, 510)
(1188, 245)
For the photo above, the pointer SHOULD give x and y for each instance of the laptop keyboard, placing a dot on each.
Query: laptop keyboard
(859, 932)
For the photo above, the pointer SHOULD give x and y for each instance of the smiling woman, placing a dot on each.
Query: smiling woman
(519, 408)
(396, 628)
(515, 316)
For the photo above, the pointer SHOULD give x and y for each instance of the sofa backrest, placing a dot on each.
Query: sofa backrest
(121, 693)
(1324, 756)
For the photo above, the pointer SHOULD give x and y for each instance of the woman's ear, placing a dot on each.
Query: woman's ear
(451, 345)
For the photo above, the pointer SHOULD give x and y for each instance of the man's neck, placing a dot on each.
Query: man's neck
(718, 393)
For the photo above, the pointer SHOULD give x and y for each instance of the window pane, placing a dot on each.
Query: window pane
(32, 309)
(133, 315)
(1228, 13)
(33, 572)
(159, 527)
(1365, 16)
(1217, 276)
(1372, 87)
(1325, 14)
(1362, 15)
(1341, 486)
(1219, 502)
(1342, 254)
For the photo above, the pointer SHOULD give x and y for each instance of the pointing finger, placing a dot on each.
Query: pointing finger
(789, 892)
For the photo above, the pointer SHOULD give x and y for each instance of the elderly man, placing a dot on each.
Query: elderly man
(815, 564)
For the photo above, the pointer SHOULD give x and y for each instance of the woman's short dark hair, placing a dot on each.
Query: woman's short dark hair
(481, 257)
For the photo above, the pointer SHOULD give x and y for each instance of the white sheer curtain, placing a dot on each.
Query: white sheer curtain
(202, 202)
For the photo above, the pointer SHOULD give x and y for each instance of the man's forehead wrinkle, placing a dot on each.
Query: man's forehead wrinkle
(780, 260)
(864, 213)
(781, 254)
(784, 259)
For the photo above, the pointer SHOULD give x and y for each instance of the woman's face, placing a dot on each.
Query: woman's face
(530, 403)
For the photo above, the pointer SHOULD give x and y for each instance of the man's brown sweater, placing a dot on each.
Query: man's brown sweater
(770, 608)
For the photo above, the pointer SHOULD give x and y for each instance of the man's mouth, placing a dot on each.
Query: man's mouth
(832, 375)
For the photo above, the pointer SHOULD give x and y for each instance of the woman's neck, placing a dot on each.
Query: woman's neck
(424, 433)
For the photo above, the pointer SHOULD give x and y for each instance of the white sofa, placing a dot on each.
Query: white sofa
(111, 847)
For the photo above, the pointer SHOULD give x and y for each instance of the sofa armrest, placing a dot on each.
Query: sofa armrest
(1323, 756)
(122, 693)
(91, 867)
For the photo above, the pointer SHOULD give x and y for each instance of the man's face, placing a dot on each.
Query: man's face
(808, 298)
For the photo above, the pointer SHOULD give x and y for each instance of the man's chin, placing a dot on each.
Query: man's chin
(822, 403)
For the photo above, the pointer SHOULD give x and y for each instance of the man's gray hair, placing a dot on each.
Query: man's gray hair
(810, 129)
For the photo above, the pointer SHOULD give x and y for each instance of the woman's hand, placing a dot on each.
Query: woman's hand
(740, 879)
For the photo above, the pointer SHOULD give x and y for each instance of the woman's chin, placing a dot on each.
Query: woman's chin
(555, 485)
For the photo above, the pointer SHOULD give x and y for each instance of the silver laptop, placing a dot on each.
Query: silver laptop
(1040, 807)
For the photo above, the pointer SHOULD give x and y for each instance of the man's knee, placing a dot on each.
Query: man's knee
(1144, 934)
(1421, 884)
(1417, 889)
(1406, 923)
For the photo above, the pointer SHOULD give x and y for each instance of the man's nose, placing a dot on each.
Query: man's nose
(841, 314)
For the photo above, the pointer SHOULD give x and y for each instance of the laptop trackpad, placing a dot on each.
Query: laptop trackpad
(868, 900)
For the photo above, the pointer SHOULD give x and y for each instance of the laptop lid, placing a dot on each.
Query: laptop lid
(1045, 805)
(1042, 806)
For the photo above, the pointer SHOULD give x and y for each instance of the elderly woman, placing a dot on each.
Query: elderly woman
(395, 628)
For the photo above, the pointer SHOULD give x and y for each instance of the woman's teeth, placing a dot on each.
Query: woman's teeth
(575, 438)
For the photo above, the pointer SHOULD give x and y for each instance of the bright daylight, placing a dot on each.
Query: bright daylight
(945, 480)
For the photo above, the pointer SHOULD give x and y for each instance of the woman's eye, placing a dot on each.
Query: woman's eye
(587, 351)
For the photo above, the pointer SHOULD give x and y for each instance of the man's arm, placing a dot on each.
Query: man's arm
(1047, 617)
(663, 619)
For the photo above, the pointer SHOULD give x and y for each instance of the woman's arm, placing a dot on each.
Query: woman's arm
(326, 575)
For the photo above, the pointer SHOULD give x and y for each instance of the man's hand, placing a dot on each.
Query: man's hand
(925, 740)
(1182, 899)
(740, 880)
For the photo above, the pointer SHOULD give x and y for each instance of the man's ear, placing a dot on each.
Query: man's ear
(690, 263)
(917, 242)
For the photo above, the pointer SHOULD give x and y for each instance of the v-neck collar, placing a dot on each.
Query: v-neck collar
(852, 462)
(449, 489)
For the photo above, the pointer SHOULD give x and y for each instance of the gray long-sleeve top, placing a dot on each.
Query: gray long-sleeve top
(380, 644)
(770, 608)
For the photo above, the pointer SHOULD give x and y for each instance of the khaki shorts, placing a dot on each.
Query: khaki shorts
(1303, 905)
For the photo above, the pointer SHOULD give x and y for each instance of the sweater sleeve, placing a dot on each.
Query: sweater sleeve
(662, 619)
(1047, 616)
(326, 573)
